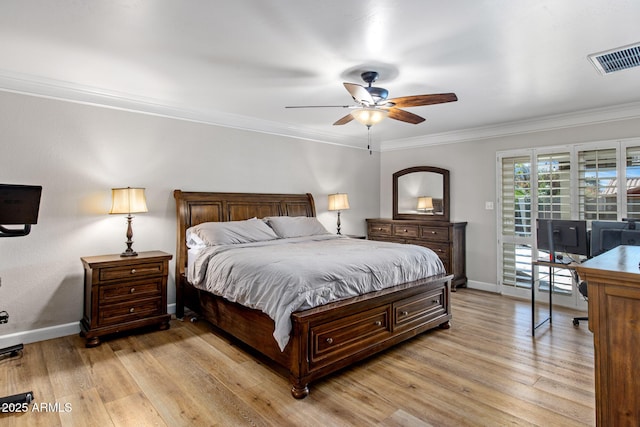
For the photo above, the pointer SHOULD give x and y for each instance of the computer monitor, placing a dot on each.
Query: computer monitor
(607, 235)
(561, 235)
(19, 205)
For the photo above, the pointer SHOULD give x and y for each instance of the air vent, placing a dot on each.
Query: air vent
(617, 59)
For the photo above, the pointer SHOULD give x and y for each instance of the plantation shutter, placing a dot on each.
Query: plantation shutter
(597, 185)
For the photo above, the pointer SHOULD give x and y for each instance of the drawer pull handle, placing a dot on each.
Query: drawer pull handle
(132, 290)
(329, 340)
(131, 310)
(378, 323)
(435, 301)
(440, 250)
(133, 271)
(405, 230)
(404, 313)
(434, 232)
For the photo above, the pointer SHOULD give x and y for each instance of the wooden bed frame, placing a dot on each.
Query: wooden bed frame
(323, 339)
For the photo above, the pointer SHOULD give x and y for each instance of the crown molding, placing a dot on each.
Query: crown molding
(66, 91)
(61, 90)
(539, 124)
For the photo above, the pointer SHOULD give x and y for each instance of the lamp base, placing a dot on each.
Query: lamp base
(132, 253)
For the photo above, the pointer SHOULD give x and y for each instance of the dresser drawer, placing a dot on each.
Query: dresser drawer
(129, 311)
(437, 234)
(400, 230)
(339, 338)
(419, 309)
(378, 229)
(131, 272)
(130, 291)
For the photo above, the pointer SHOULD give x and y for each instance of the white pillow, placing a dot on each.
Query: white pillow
(295, 226)
(229, 233)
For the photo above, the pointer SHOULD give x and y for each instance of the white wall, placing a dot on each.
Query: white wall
(472, 168)
(79, 152)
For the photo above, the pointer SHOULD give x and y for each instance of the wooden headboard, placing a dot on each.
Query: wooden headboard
(194, 208)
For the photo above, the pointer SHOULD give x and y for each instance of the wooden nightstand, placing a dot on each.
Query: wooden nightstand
(123, 293)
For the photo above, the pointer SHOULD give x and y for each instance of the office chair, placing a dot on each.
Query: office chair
(582, 288)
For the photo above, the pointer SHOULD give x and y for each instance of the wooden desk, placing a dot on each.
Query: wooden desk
(534, 273)
(613, 280)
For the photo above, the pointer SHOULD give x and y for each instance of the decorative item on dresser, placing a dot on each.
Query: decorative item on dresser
(445, 239)
(421, 217)
(124, 293)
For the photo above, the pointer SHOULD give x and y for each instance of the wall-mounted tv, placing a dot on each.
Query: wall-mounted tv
(564, 236)
(19, 205)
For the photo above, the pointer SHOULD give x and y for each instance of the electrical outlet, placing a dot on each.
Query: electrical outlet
(488, 206)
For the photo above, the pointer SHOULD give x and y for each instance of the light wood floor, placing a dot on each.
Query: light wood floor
(486, 370)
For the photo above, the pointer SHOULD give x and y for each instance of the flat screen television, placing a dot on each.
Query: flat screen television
(19, 205)
(607, 235)
(562, 235)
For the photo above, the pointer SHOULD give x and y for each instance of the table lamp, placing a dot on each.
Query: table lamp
(128, 201)
(338, 202)
(425, 204)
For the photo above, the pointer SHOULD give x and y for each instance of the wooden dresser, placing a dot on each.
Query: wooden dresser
(613, 280)
(123, 293)
(447, 239)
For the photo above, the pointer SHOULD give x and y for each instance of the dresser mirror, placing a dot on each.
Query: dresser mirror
(422, 193)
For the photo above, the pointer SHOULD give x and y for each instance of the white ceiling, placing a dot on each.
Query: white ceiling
(515, 65)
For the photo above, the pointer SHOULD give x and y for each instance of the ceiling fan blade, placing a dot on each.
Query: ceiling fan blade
(419, 100)
(359, 93)
(404, 116)
(344, 120)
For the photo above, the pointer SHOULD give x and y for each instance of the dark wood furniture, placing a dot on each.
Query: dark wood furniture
(124, 293)
(421, 181)
(323, 339)
(447, 239)
(613, 280)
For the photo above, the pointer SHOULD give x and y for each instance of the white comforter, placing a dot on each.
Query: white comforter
(281, 276)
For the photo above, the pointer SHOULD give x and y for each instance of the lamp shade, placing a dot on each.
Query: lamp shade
(425, 203)
(128, 200)
(369, 116)
(338, 202)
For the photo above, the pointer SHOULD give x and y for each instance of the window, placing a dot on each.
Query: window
(598, 181)
(586, 181)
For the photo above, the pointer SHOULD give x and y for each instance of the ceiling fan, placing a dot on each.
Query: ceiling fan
(372, 104)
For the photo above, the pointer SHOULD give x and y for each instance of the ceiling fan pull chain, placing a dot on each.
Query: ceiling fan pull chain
(369, 140)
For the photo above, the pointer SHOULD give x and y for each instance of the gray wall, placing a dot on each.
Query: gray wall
(472, 166)
(79, 152)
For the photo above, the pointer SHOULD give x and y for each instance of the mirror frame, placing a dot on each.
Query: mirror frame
(445, 194)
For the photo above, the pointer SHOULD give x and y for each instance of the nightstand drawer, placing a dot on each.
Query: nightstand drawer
(131, 272)
(130, 291)
(129, 311)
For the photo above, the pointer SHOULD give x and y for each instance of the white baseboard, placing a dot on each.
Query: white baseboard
(50, 332)
(483, 286)
(35, 335)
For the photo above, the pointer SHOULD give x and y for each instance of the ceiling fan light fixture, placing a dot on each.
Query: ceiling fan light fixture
(369, 116)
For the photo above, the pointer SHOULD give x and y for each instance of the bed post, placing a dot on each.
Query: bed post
(180, 260)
